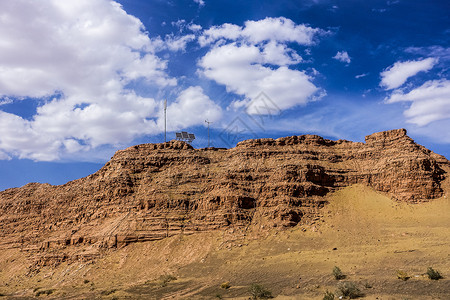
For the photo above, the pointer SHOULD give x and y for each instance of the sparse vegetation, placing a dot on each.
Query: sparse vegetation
(348, 290)
(337, 273)
(260, 292)
(86, 281)
(108, 292)
(44, 292)
(165, 279)
(225, 285)
(328, 296)
(433, 274)
(402, 275)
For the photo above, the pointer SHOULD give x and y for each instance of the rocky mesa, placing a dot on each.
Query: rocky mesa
(152, 191)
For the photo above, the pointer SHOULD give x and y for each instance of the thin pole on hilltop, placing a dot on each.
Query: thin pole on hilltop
(208, 131)
(165, 120)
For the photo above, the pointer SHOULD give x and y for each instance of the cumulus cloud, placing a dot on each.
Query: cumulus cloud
(342, 56)
(178, 43)
(225, 31)
(429, 102)
(194, 27)
(397, 74)
(80, 56)
(192, 107)
(64, 45)
(18, 138)
(279, 29)
(256, 58)
(269, 29)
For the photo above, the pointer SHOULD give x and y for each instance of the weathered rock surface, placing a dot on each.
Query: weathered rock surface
(152, 191)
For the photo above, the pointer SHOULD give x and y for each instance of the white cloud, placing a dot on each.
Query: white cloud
(200, 2)
(194, 27)
(269, 29)
(241, 70)
(17, 138)
(224, 31)
(443, 53)
(256, 58)
(396, 75)
(192, 107)
(429, 102)
(279, 29)
(4, 156)
(361, 75)
(5, 101)
(342, 56)
(117, 119)
(75, 44)
(88, 51)
(279, 54)
(178, 43)
(180, 24)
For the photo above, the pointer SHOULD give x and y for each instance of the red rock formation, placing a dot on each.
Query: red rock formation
(151, 191)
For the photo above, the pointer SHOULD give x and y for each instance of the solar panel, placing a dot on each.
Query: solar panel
(185, 136)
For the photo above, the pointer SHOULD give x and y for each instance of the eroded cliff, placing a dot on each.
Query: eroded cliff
(152, 191)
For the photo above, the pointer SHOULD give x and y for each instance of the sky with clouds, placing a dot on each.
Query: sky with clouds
(80, 79)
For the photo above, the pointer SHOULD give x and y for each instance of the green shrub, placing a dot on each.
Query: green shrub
(348, 290)
(402, 275)
(337, 273)
(260, 292)
(328, 296)
(433, 274)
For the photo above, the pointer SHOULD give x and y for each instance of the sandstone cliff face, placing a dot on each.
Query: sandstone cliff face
(152, 191)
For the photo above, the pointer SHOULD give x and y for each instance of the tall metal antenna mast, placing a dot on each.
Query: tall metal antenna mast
(208, 131)
(165, 120)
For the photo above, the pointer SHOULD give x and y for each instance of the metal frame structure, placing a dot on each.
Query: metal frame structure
(185, 137)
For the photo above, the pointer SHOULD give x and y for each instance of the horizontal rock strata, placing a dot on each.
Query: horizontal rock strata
(152, 191)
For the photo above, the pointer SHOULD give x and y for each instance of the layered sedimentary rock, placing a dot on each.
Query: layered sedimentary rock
(152, 191)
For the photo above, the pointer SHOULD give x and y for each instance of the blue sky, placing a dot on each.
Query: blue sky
(81, 79)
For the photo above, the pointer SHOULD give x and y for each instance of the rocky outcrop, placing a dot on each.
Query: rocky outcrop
(152, 191)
